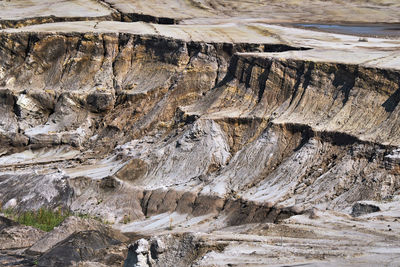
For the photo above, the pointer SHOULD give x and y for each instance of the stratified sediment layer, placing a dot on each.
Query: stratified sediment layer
(249, 143)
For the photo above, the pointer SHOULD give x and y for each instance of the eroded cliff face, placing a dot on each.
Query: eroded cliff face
(87, 80)
(240, 142)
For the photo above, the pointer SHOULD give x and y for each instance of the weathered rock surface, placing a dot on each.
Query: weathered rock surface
(359, 209)
(81, 246)
(19, 237)
(207, 136)
(70, 226)
(76, 240)
(16, 236)
(168, 250)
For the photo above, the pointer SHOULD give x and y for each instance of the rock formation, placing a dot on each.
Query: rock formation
(202, 134)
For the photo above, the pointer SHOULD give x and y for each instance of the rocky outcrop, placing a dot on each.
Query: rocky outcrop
(70, 226)
(26, 191)
(75, 241)
(19, 237)
(102, 96)
(177, 250)
(256, 137)
(81, 246)
(359, 209)
(71, 90)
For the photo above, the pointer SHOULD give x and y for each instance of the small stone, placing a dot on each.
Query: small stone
(363, 208)
(11, 204)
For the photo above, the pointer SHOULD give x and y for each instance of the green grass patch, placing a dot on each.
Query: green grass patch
(43, 219)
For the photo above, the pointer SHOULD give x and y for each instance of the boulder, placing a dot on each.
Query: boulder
(81, 246)
(363, 208)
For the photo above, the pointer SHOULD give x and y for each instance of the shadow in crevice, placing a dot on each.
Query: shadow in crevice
(231, 72)
(305, 137)
(299, 75)
(231, 50)
(345, 81)
(262, 79)
(392, 102)
(306, 133)
(307, 74)
(134, 17)
(246, 74)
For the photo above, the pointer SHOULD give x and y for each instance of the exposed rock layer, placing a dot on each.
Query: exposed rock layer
(158, 129)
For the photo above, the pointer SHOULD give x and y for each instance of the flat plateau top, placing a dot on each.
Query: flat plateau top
(193, 11)
(212, 11)
(23, 9)
(324, 47)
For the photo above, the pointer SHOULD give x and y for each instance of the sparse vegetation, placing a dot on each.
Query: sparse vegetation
(126, 219)
(44, 219)
(170, 224)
